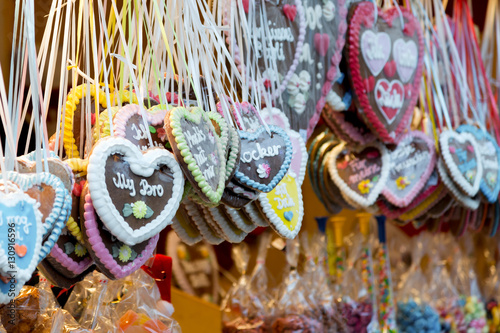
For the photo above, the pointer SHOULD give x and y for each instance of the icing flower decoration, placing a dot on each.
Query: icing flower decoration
(329, 11)
(305, 81)
(299, 103)
(293, 85)
(162, 135)
(125, 253)
(264, 170)
(139, 209)
(365, 186)
(470, 175)
(80, 250)
(402, 182)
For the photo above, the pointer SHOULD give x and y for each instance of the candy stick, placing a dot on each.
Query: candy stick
(386, 302)
(367, 265)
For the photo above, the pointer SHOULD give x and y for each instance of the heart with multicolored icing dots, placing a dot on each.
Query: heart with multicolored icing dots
(412, 162)
(385, 63)
(135, 194)
(462, 159)
(360, 172)
(265, 158)
(198, 150)
(490, 157)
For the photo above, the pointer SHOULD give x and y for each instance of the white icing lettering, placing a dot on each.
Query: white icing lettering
(391, 99)
(364, 173)
(407, 58)
(124, 184)
(274, 39)
(140, 133)
(150, 190)
(313, 17)
(375, 50)
(209, 173)
(195, 138)
(283, 199)
(200, 157)
(306, 54)
(410, 162)
(259, 153)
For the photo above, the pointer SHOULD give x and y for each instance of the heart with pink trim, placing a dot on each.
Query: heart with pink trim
(279, 41)
(360, 173)
(412, 162)
(386, 61)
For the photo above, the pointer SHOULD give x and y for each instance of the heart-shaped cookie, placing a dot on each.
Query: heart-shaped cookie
(21, 232)
(462, 199)
(283, 207)
(462, 158)
(79, 168)
(265, 158)
(360, 173)
(246, 116)
(490, 157)
(238, 218)
(318, 67)
(101, 128)
(412, 162)
(274, 116)
(196, 215)
(231, 232)
(277, 31)
(73, 114)
(348, 126)
(129, 124)
(198, 150)
(115, 259)
(184, 228)
(254, 215)
(238, 196)
(385, 62)
(136, 194)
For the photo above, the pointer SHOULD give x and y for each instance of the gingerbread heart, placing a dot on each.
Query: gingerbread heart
(277, 39)
(283, 207)
(462, 199)
(412, 162)
(21, 231)
(490, 157)
(136, 194)
(115, 259)
(183, 227)
(462, 158)
(129, 124)
(318, 66)
(198, 150)
(360, 173)
(246, 116)
(265, 158)
(385, 62)
(348, 126)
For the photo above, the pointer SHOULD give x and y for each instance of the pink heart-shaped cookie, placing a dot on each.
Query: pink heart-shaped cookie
(385, 62)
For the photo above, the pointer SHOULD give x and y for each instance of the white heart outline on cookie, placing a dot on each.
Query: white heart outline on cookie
(407, 139)
(461, 198)
(379, 102)
(350, 195)
(273, 217)
(456, 176)
(141, 164)
(400, 44)
(375, 70)
(274, 116)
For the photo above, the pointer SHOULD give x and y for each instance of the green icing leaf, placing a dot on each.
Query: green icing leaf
(127, 210)
(116, 251)
(149, 213)
(69, 248)
(375, 179)
(133, 255)
(152, 129)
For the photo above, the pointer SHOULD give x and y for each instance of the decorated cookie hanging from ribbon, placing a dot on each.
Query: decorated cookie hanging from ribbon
(412, 162)
(307, 90)
(360, 173)
(135, 194)
(277, 32)
(198, 150)
(490, 158)
(462, 159)
(385, 50)
(265, 158)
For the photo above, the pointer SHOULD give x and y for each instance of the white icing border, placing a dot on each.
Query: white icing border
(254, 215)
(456, 175)
(107, 210)
(206, 231)
(463, 200)
(269, 113)
(346, 191)
(227, 227)
(303, 163)
(275, 221)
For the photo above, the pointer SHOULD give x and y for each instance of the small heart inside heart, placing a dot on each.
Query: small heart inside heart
(21, 250)
(288, 216)
(321, 43)
(390, 98)
(290, 11)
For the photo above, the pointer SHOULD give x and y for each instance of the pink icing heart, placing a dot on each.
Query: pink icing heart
(389, 97)
(290, 11)
(406, 56)
(321, 43)
(390, 68)
(376, 49)
(470, 148)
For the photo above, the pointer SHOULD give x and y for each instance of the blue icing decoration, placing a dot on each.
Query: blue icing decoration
(241, 177)
(490, 184)
(32, 156)
(288, 215)
(341, 78)
(20, 224)
(347, 100)
(69, 248)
